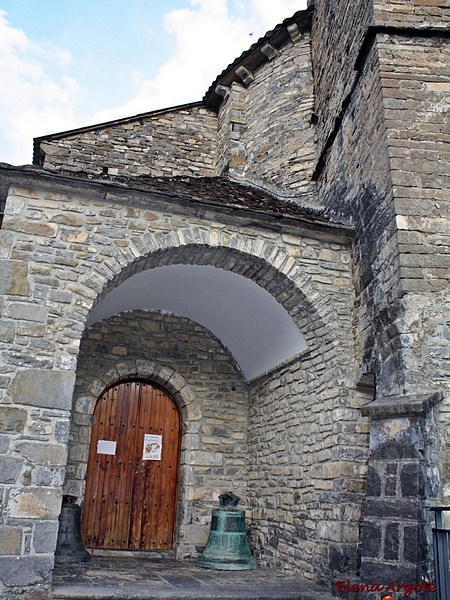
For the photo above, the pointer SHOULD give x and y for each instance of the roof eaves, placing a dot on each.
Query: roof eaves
(253, 58)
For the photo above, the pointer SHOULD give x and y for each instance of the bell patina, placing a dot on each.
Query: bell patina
(227, 548)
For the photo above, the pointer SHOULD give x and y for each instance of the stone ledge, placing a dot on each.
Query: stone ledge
(397, 406)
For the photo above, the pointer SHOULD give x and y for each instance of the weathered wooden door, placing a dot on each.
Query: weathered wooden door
(131, 482)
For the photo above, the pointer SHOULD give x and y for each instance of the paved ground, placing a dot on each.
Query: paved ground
(120, 578)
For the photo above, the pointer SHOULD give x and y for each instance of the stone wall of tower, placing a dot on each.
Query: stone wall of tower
(383, 145)
(339, 29)
(416, 96)
(418, 14)
(343, 37)
(356, 186)
(385, 170)
(269, 131)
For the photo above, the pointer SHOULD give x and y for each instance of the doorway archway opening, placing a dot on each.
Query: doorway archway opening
(132, 477)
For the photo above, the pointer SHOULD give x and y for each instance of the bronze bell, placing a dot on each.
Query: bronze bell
(227, 548)
(69, 546)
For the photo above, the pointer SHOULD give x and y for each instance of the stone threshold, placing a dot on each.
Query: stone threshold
(143, 578)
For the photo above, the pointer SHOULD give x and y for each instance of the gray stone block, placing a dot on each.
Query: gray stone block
(12, 419)
(49, 389)
(391, 542)
(30, 360)
(35, 503)
(48, 476)
(373, 486)
(10, 540)
(385, 573)
(398, 508)
(43, 453)
(26, 311)
(24, 571)
(371, 539)
(415, 545)
(9, 469)
(4, 443)
(412, 480)
(13, 278)
(45, 536)
(390, 488)
(6, 331)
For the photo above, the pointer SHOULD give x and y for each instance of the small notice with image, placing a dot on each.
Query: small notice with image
(152, 447)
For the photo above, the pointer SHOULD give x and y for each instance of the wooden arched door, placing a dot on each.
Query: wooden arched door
(131, 481)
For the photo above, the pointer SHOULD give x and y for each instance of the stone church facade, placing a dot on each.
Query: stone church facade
(312, 178)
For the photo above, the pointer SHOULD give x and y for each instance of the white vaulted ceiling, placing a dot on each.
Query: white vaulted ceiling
(256, 329)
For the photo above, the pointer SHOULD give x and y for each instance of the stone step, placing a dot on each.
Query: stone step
(141, 578)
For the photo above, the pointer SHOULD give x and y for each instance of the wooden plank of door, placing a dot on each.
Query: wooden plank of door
(110, 475)
(137, 487)
(151, 517)
(127, 435)
(142, 488)
(162, 491)
(91, 529)
(170, 473)
(106, 464)
(116, 535)
(157, 523)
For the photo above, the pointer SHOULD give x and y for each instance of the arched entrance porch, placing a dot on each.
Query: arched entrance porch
(291, 417)
(273, 438)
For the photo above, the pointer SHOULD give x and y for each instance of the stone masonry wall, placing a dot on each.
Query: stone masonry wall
(357, 182)
(309, 447)
(391, 186)
(66, 243)
(226, 118)
(214, 445)
(308, 451)
(416, 92)
(421, 14)
(385, 167)
(338, 31)
(260, 120)
(180, 141)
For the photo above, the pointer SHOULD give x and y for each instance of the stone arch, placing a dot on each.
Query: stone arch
(313, 304)
(163, 375)
(84, 405)
(265, 263)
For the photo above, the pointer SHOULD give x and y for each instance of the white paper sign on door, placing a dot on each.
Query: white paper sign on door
(106, 447)
(152, 447)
